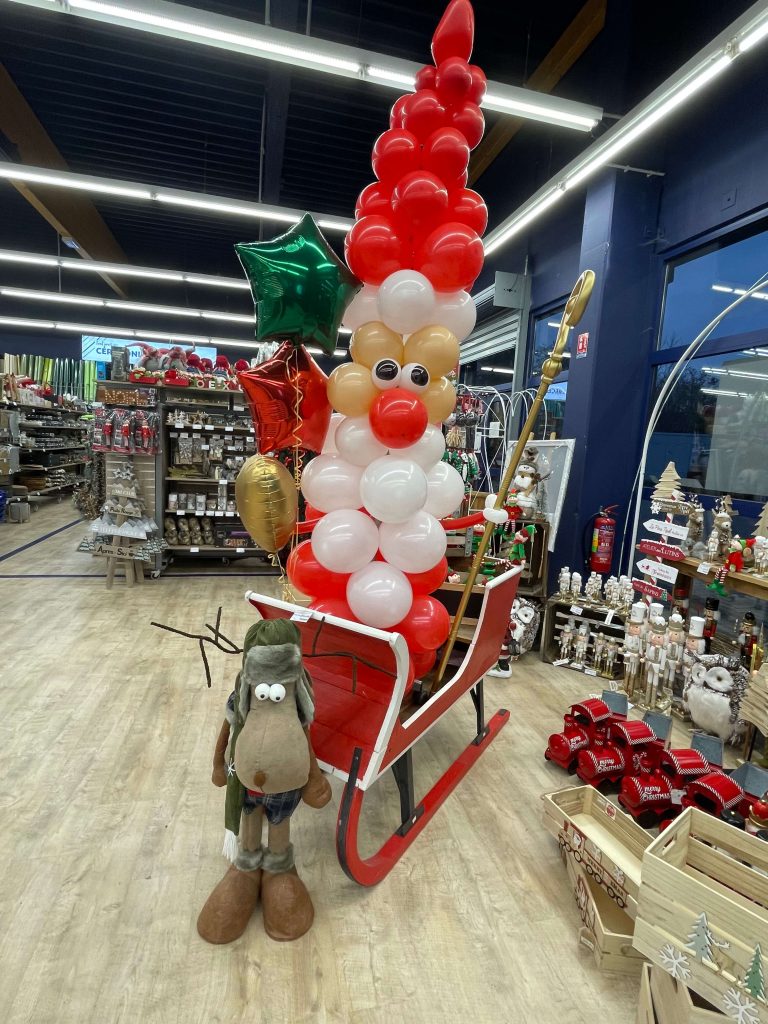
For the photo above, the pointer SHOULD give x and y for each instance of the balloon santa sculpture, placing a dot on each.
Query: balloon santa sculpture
(379, 488)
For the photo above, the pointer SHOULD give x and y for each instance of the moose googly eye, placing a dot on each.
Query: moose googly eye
(386, 374)
(414, 377)
(261, 692)
(276, 693)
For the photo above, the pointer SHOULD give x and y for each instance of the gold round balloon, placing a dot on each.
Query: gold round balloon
(351, 390)
(440, 400)
(267, 501)
(435, 347)
(374, 341)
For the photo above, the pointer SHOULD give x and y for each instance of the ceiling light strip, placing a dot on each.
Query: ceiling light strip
(675, 92)
(172, 197)
(176, 21)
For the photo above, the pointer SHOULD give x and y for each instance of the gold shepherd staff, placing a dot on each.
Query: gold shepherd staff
(574, 310)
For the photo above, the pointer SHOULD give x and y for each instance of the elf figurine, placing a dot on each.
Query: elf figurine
(264, 758)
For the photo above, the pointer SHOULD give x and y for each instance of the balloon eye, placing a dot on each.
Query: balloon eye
(276, 693)
(414, 377)
(386, 374)
(262, 691)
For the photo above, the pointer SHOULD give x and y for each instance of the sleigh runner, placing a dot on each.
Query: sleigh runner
(361, 677)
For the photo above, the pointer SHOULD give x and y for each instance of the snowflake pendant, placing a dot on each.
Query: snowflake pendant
(231, 768)
(675, 962)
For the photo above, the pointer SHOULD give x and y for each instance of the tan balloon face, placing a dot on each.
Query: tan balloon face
(435, 347)
(373, 342)
(351, 390)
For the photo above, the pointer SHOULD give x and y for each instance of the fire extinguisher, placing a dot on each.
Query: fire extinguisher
(603, 537)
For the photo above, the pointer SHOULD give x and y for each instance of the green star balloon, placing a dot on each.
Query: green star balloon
(300, 287)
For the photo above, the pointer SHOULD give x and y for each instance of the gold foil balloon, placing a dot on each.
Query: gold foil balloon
(435, 347)
(440, 400)
(267, 501)
(351, 390)
(375, 341)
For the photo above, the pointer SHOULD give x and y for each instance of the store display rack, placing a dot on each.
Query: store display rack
(38, 467)
(599, 618)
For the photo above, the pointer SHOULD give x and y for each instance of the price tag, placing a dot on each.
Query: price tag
(609, 616)
(704, 568)
(231, 448)
(199, 512)
(205, 447)
(218, 513)
(302, 616)
(251, 430)
(229, 430)
(238, 408)
(590, 672)
(194, 551)
(180, 511)
(183, 435)
(677, 796)
(562, 661)
(197, 426)
(240, 551)
(174, 434)
(575, 610)
(209, 426)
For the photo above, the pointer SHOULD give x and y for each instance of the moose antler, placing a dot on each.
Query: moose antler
(219, 641)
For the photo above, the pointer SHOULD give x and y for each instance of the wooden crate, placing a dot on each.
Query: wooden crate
(645, 1011)
(606, 929)
(557, 612)
(676, 1004)
(754, 706)
(609, 843)
(703, 911)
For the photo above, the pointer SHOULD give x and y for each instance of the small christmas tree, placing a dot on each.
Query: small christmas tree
(754, 982)
(761, 526)
(668, 485)
(700, 939)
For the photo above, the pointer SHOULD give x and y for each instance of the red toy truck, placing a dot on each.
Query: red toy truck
(630, 748)
(585, 723)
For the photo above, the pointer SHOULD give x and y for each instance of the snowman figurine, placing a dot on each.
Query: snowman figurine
(709, 699)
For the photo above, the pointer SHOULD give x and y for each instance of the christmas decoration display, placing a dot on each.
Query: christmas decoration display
(524, 619)
(714, 693)
(264, 757)
(760, 549)
(719, 540)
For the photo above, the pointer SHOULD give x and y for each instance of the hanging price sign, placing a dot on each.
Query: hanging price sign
(666, 529)
(654, 547)
(658, 570)
(642, 587)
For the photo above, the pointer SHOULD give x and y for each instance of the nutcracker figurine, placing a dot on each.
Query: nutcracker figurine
(633, 645)
(576, 585)
(582, 643)
(695, 646)
(598, 652)
(593, 589)
(564, 582)
(712, 617)
(611, 650)
(747, 638)
(673, 649)
(566, 639)
(654, 660)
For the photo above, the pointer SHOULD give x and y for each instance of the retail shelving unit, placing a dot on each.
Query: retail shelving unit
(54, 431)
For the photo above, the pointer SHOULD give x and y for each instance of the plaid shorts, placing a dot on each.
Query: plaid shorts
(277, 806)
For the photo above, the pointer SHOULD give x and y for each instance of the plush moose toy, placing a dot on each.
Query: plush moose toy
(265, 759)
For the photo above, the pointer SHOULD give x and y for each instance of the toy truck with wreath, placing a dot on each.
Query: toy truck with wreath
(584, 724)
(629, 748)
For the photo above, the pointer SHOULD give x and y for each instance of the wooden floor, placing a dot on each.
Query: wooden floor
(111, 832)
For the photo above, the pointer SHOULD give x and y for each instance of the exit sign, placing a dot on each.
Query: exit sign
(582, 344)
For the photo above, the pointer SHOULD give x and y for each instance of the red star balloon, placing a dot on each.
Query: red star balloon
(288, 401)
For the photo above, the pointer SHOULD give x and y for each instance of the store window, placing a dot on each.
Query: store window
(701, 285)
(549, 422)
(544, 335)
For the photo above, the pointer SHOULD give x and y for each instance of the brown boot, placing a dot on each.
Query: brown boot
(286, 906)
(228, 909)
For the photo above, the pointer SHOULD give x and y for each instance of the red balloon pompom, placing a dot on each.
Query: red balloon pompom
(375, 200)
(467, 207)
(426, 626)
(446, 154)
(395, 153)
(373, 250)
(423, 113)
(425, 77)
(334, 606)
(468, 118)
(453, 81)
(419, 198)
(396, 113)
(310, 577)
(479, 85)
(426, 582)
(422, 662)
(398, 418)
(451, 257)
(456, 32)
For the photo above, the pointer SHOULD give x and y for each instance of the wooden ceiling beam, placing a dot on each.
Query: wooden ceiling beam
(70, 213)
(587, 24)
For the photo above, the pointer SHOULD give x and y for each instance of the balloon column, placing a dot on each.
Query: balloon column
(379, 487)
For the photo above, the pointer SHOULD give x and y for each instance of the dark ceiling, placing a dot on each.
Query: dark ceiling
(126, 104)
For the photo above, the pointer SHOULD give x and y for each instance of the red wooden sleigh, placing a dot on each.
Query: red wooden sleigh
(360, 676)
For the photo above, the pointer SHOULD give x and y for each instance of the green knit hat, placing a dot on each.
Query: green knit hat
(270, 633)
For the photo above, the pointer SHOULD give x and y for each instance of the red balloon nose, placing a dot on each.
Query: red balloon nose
(398, 418)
